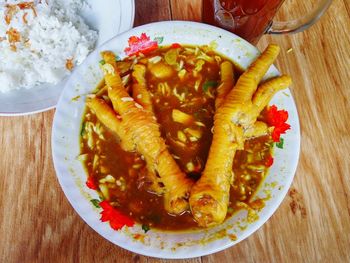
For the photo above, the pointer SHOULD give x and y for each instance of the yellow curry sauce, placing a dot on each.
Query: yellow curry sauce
(190, 91)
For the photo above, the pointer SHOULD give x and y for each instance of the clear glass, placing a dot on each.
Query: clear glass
(302, 23)
(250, 19)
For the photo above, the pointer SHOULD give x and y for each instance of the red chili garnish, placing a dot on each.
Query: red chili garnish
(277, 119)
(28, 5)
(142, 44)
(11, 10)
(175, 45)
(269, 161)
(25, 5)
(90, 182)
(116, 219)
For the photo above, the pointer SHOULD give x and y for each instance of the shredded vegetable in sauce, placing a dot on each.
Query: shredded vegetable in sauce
(177, 87)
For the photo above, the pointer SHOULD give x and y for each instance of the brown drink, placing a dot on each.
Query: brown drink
(248, 19)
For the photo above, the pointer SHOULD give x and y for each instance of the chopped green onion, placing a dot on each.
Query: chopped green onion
(280, 143)
(82, 129)
(102, 62)
(159, 39)
(95, 202)
(117, 58)
(208, 84)
(145, 228)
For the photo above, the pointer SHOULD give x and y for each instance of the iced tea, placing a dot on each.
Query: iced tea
(247, 18)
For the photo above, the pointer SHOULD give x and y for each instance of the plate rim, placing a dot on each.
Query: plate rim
(246, 234)
(129, 26)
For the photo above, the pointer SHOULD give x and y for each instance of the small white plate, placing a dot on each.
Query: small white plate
(72, 176)
(109, 18)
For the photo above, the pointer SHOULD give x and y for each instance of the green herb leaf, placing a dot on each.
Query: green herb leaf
(76, 98)
(208, 84)
(95, 202)
(102, 62)
(280, 143)
(82, 129)
(117, 58)
(145, 228)
(159, 39)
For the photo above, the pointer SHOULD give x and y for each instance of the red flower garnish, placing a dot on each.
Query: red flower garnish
(142, 44)
(269, 161)
(90, 182)
(175, 45)
(116, 219)
(277, 119)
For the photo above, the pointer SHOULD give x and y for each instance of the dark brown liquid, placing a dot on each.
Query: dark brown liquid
(248, 19)
(147, 208)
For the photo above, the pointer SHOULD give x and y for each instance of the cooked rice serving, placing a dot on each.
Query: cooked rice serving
(41, 41)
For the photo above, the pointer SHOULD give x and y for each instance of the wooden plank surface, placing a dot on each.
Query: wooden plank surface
(37, 224)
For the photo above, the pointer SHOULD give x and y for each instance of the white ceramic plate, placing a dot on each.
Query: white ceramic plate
(71, 175)
(109, 18)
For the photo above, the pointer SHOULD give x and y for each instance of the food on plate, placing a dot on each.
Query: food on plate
(237, 113)
(178, 137)
(141, 132)
(41, 41)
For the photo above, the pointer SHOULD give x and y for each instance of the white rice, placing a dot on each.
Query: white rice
(47, 43)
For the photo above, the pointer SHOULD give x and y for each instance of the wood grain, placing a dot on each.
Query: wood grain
(37, 224)
(186, 10)
(151, 11)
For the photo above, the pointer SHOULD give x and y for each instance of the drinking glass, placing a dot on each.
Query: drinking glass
(250, 19)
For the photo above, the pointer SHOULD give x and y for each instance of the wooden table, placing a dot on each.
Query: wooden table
(37, 224)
